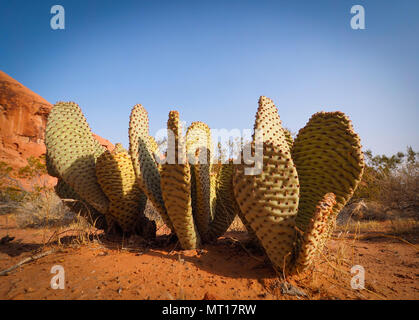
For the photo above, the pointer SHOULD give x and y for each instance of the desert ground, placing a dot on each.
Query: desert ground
(104, 267)
(35, 235)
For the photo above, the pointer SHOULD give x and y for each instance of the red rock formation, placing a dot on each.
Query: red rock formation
(106, 143)
(23, 117)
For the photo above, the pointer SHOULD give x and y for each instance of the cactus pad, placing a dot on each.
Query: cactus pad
(310, 241)
(176, 187)
(145, 167)
(115, 174)
(288, 138)
(328, 156)
(269, 200)
(72, 153)
(198, 147)
(226, 207)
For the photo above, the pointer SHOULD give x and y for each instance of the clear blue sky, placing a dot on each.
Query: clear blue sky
(211, 60)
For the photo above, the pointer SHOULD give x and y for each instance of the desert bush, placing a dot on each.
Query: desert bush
(404, 226)
(400, 189)
(35, 204)
(33, 173)
(364, 210)
(10, 188)
(44, 210)
(11, 192)
(389, 187)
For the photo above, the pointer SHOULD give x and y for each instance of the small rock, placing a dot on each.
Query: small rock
(287, 288)
(209, 296)
(6, 239)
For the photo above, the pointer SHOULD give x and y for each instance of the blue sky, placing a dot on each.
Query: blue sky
(211, 60)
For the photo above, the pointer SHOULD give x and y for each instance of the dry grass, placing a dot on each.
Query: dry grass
(43, 210)
(48, 213)
(79, 231)
(404, 226)
(400, 226)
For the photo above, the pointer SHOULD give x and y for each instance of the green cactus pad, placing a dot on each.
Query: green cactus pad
(145, 167)
(72, 153)
(115, 174)
(176, 188)
(198, 147)
(269, 200)
(327, 154)
(226, 207)
(267, 120)
(251, 233)
(310, 241)
(269, 203)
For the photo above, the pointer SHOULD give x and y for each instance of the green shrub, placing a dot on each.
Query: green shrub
(392, 181)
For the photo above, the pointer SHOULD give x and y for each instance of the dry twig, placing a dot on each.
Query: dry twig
(26, 260)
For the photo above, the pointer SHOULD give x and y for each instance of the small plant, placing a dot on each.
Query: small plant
(43, 210)
(10, 189)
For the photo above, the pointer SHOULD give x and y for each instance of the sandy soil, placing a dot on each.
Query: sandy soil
(131, 269)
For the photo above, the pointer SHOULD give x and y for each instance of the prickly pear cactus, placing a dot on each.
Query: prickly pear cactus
(290, 214)
(328, 156)
(115, 174)
(72, 153)
(310, 241)
(183, 193)
(176, 187)
(225, 208)
(269, 200)
(198, 147)
(146, 170)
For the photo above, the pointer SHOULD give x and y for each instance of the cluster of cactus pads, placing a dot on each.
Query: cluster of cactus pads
(290, 207)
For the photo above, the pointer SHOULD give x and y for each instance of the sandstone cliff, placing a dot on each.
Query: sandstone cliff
(23, 116)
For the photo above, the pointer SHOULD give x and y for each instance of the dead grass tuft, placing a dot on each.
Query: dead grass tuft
(43, 210)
